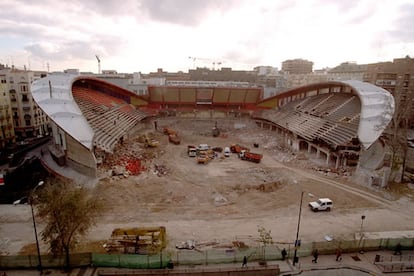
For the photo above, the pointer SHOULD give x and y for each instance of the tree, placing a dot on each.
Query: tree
(397, 133)
(68, 211)
(265, 238)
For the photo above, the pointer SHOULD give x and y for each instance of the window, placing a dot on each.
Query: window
(28, 123)
(25, 98)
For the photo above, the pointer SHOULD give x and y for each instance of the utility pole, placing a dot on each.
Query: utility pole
(40, 267)
(99, 64)
(297, 243)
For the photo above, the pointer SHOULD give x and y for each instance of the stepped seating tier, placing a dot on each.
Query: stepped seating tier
(332, 118)
(109, 117)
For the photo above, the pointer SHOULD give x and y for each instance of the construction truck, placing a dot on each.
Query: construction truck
(203, 158)
(174, 138)
(169, 131)
(191, 151)
(139, 240)
(236, 148)
(250, 156)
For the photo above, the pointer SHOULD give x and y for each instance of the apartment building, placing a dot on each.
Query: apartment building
(397, 77)
(27, 118)
(347, 71)
(7, 136)
(297, 66)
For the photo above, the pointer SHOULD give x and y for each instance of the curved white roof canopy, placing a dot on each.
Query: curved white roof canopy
(56, 100)
(53, 94)
(377, 110)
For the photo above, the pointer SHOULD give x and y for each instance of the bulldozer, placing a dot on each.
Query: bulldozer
(138, 240)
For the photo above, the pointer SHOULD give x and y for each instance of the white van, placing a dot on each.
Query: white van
(202, 147)
(227, 151)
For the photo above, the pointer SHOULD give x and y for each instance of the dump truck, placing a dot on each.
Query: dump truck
(250, 156)
(236, 148)
(174, 138)
(169, 131)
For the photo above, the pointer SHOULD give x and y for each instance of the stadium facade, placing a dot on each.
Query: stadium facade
(341, 122)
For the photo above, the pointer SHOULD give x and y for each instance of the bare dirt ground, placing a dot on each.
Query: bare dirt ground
(227, 199)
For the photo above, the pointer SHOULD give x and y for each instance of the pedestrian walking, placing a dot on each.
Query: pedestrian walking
(284, 253)
(338, 254)
(398, 249)
(315, 256)
(244, 262)
(156, 125)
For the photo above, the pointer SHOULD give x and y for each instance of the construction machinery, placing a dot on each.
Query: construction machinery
(174, 138)
(191, 151)
(236, 148)
(203, 158)
(169, 131)
(250, 156)
(138, 240)
(148, 142)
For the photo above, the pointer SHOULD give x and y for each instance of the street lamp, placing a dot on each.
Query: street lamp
(34, 225)
(361, 235)
(297, 243)
(362, 224)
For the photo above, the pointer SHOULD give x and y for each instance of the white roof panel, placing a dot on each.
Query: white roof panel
(53, 94)
(377, 110)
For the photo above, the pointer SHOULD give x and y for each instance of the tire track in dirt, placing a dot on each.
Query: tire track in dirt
(364, 194)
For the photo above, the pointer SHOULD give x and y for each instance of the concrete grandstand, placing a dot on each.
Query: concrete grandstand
(340, 121)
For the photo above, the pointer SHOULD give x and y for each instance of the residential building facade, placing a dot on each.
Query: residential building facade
(297, 66)
(28, 119)
(7, 136)
(397, 77)
(347, 71)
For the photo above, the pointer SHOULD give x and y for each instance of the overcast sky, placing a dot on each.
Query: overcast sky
(143, 35)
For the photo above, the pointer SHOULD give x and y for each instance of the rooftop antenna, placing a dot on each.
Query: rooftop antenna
(99, 64)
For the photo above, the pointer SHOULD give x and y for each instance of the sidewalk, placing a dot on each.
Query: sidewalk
(326, 265)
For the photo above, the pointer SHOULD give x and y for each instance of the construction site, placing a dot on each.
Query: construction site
(223, 201)
(204, 168)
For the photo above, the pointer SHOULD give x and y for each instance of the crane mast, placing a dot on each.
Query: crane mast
(99, 63)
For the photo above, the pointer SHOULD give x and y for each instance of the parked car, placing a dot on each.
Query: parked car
(322, 204)
(227, 151)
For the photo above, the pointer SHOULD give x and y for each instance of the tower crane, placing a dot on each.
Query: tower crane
(99, 63)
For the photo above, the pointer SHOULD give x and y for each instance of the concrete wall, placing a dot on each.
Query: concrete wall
(80, 158)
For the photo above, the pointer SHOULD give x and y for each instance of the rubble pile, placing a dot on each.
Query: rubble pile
(160, 170)
(129, 159)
